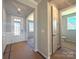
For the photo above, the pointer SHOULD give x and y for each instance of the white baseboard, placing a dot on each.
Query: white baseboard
(42, 54)
(46, 57)
(36, 50)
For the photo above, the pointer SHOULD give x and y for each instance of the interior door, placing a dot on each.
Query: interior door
(55, 28)
(55, 36)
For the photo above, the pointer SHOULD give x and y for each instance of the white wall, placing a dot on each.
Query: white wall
(42, 28)
(7, 35)
(3, 30)
(69, 34)
(65, 13)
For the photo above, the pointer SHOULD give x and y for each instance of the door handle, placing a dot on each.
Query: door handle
(53, 34)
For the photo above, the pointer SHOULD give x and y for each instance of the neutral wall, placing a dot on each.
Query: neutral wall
(42, 28)
(70, 34)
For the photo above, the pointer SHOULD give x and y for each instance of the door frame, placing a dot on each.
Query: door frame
(52, 27)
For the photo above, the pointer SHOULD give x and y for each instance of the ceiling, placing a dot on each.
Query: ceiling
(68, 11)
(38, 1)
(62, 4)
(12, 6)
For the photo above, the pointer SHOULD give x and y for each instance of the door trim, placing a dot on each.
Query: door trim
(52, 26)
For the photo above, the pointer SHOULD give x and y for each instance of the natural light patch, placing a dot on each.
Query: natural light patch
(31, 27)
(31, 17)
(71, 23)
(68, 11)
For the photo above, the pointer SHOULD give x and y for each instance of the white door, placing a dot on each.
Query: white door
(55, 28)
(55, 35)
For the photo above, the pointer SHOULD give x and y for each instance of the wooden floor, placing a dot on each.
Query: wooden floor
(64, 53)
(67, 51)
(23, 51)
(20, 51)
(68, 44)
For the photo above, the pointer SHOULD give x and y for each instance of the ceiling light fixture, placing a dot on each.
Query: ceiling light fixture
(19, 9)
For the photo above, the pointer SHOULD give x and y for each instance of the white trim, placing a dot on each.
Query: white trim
(36, 50)
(36, 43)
(49, 30)
(46, 57)
(42, 54)
(26, 29)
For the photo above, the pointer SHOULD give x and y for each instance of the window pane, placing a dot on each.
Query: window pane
(17, 20)
(71, 23)
(17, 28)
(31, 26)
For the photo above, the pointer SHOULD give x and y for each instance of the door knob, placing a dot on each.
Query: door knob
(54, 34)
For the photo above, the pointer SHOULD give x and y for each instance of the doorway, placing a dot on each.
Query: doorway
(68, 31)
(61, 47)
(31, 30)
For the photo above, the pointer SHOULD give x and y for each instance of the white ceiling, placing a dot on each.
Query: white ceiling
(11, 7)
